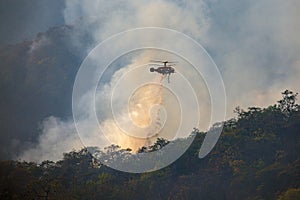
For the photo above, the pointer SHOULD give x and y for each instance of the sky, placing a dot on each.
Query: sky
(254, 44)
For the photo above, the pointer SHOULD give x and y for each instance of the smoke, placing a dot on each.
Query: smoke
(135, 107)
(256, 46)
(57, 137)
(38, 43)
(113, 17)
(22, 20)
(146, 107)
(254, 43)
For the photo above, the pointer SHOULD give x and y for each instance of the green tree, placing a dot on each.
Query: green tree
(288, 104)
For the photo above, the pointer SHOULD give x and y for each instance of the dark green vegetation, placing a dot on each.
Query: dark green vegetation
(257, 157)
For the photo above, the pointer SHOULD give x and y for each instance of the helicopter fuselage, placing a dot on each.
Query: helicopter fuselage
(163, 70)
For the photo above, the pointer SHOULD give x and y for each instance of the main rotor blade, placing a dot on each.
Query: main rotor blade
(157, 61)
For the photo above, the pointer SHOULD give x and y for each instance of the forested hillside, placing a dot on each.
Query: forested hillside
(257, 157)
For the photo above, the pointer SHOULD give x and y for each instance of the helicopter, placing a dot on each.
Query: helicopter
(166, 69)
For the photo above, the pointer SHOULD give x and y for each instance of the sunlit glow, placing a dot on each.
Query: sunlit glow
(145, 110)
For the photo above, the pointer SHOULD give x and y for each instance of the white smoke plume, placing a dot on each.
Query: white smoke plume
(57, 137)
(254, 43)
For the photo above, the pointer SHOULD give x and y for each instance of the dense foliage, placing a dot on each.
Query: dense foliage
(257, 157)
